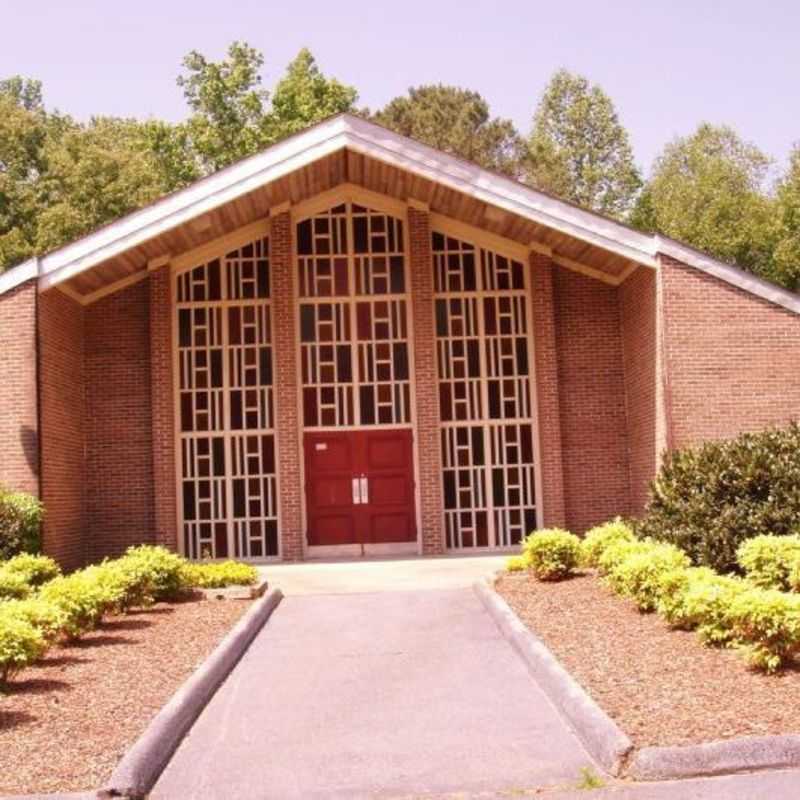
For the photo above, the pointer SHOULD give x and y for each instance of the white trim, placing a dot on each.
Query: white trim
(15, 276)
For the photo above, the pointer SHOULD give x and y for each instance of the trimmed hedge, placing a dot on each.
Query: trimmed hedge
(771, 562)
(599, 538)
(20, 523)
(21, 644)
(34, 569)
(709, 499)
(551, 553)
(219, 575)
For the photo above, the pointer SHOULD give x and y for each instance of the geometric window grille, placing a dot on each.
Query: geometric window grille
(483, 362)
(354, 338)
(226, 421)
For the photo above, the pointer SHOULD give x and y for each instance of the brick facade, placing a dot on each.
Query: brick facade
(19, 416)
(429, 452)
(63, 412)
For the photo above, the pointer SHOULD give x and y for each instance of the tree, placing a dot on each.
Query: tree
(456, 121)
(786, 258)
(579, 150)
(707, 190)
(305, 96)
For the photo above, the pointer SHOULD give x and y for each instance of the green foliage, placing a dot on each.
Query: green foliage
(785, 268)
(12, 585)
(552, 553)
(20, 523)
(517, 564)
(767, 623)
(672, 588)
(20, 645)
(48, 618)
(219, 575)
(578, 148)
(34, 569)
(595, 542)
(769, 561)
(163, 568)
(637, 574)
(705, 605)
(83, 597)
(458, 122)
(709, 499)
(616, 551)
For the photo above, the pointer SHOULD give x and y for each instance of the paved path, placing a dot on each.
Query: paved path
(380, 693)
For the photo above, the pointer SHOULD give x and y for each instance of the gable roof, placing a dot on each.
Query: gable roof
(357, 135)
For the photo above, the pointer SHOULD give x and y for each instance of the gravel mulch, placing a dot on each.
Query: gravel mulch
(66, 722)
(662, 687)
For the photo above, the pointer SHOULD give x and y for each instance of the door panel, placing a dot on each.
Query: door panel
(360, 488)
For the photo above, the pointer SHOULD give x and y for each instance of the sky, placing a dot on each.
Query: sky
(666, 65)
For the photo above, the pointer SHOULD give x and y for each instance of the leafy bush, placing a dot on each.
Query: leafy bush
(769, 561)
(708, 500)
(20, 645)
(552, 553)
(767, 623)
(48, 618)
(707, 606)
(672, 588)
(162, 569)
(83, 598)
(596, 540)
(618, 551)
(13, 585)
(637, 575)
(517, 564)
(20, 523)
(219, 575)
(34, 569)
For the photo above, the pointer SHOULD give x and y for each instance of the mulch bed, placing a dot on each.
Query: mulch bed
(662, 687)
(67, 721)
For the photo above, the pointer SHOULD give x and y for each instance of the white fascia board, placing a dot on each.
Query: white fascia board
(728, 273)
(15, 276)
(203, 196)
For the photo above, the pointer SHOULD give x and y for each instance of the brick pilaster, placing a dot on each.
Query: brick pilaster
(428, 425)
(284, 309)
(163, 409)
(547, 391)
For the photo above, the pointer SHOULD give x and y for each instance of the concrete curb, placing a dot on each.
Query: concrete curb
(601, 736)
(142, 765)
(235, 592)
(744, 754)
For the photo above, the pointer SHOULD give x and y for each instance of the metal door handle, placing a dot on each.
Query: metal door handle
(356, 491)
(364, 489)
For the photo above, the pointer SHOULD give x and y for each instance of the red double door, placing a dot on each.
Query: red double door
(360, 488)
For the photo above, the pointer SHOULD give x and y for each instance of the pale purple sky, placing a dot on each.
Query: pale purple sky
(667, 65)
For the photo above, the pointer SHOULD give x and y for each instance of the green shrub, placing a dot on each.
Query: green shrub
(552, 553)
(637, 575)
(13, 585)
(769, 561)
(83, 598)
(162, 569)
(20, 523)
(596, 540)
(617, 551)
(48, 618)
(219, 575)
(709, 499)
(707, 605)
(672, 588)
(517, 564)
(34, 569)
(20, 645)
(767, 623)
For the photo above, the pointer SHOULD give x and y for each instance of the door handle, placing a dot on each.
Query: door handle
(364, 489)
(356, 492)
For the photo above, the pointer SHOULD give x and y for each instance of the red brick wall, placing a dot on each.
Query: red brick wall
(119, 473)
(19, 425)
(287, 399)
(637, 298)
(162, 406)
(61, 367)
(547, 391)
(732, 360)
(592, 399)
(431, 511)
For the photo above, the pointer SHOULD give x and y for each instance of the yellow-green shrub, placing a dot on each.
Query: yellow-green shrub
(767, 623)
(769, 560)
(617, 551)
(219, 575)
(12, 585)
(707, 604)
(601, 537)
(163, 569)
(552, 553)
(83, 599)
(517, 563)
(637, 574)
(48, 618)
(20, 645)
(34, 569)
(672, 588)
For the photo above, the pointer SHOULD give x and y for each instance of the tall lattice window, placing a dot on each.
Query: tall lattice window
(354, 336)
(226, 420)
(482, 341)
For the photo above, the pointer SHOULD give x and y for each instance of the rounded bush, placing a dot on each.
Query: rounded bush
(768, 561)
(20, 645)
(517, 564)
(673, 586)
(707, 605)
(595, 542)
(709, 499)
(83, 599)
(20, 523)
(48, 618)
(34, 569)
(552, 553)
(12, 585)
(161, 568)
(617, 551)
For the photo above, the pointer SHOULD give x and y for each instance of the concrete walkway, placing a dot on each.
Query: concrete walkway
(372, 681)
